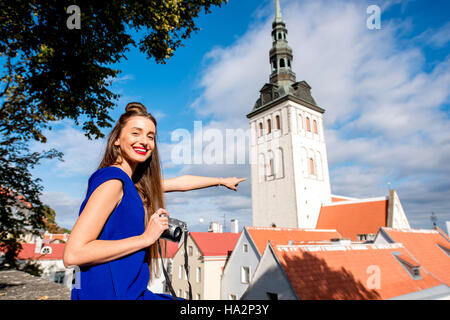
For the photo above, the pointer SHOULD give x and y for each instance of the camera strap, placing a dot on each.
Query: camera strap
(168, 281)
(186, 263)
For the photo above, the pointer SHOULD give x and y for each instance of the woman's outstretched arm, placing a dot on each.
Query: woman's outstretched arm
(83, 248)
(189, 182)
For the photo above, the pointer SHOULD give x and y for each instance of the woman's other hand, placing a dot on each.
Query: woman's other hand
(157, 224)
(232, 182)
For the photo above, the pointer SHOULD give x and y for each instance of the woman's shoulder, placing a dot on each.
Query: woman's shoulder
(108, 173)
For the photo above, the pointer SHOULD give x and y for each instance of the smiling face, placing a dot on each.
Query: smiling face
(136, 140)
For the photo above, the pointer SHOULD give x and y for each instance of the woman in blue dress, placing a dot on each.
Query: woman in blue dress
(114, 240)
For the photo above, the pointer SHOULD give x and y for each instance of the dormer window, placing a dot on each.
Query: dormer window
(46, 250)
(444, 248)
(411, 266)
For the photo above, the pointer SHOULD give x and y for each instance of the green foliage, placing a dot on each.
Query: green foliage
(51, 72)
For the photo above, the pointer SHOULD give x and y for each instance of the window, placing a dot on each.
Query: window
(245, 247)
(191, 251)
(245, 274)
(315, 126)
(282, 65)
(311, 166)
(180, 292)
(308, 124)
(198, 274)
(260, 129)
(444, 248)
(277, 122)
(272, 296)
(59, 276)
(232, 297)
(271, 167)
(180, 272)
(198, 296)
(269, 126)
(411, 266)
(46, 250)
(186, 295)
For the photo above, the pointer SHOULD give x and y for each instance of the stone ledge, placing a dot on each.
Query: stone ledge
(18, 285)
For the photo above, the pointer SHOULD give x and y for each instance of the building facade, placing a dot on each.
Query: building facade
(289, 166)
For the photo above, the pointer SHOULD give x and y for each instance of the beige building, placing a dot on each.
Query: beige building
(207, 254)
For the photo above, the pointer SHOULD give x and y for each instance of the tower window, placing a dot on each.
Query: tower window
(279, 36)
(308, 124)
(315, 126)
(277, 122)
(282, 65)
(274, 65)
(311, 166)
(260, 129)
(289, 63)
(269, 127)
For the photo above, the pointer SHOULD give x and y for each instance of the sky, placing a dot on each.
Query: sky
(385, 91)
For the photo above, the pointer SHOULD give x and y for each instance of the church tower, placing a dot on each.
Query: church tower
(289, 166)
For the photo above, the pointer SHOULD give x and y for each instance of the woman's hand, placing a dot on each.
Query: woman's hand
(157, 224)
(231, 183)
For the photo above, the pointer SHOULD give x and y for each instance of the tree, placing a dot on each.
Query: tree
(52, 72)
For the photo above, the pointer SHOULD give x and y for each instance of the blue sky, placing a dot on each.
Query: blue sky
(385, 92)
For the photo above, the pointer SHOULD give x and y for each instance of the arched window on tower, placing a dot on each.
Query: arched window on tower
(289, 63)
(269, 126)
(282, 64)
(260, 129)
(274, 64)
(308, 124)
(279, 36)
(311, 167)
(277, 122)
(315, 126)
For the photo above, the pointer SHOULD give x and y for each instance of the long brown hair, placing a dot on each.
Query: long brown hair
(147, 177)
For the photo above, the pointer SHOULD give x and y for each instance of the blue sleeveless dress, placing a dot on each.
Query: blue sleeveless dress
(125, 278)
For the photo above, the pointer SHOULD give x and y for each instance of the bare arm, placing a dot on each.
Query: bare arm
(83, 248)
(189, 182)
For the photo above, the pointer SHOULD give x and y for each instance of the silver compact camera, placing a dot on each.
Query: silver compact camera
(175, 231)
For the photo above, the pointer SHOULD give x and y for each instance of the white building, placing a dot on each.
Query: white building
(289, 166)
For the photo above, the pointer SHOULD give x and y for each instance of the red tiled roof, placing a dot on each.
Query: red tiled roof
(349, 272)
(27, 252)
(171, 249)
(215, 244)
(260, 235)
(424, 246)
(351, 218)
(335, 198)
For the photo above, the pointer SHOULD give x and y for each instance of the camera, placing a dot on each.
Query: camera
(175, 231)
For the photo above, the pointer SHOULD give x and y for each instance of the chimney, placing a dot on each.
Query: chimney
(38, 247)
(234, 226)
(215, 227)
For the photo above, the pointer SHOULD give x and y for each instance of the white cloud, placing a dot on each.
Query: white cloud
(385, 113)
(65, 206)
(81, 155)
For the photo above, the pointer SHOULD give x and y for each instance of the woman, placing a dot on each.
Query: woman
(114, 240)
